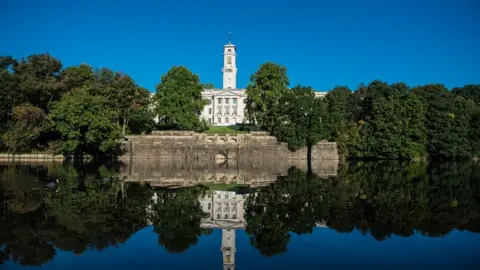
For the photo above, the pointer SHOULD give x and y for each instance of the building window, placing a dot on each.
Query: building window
(219, 121)
(226, 216)
(219, 100)
(227, 101)
(218, 216)
(234, 112)
(209, 110)
(227, 112)
(234, 216)
(234, 100)
(209, 206)
(226, 120)
(209, 102)
(229, 50)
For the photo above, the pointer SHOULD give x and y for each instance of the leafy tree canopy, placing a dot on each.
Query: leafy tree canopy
(178, 100)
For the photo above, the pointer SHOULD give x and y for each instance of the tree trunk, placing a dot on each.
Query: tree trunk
(309, 159)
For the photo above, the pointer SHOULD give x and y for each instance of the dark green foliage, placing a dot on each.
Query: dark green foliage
(77, 76)
(38, 79)
(382, 121)
(394, 127)
(447, 122)
(85, 124)
(178, 101)
(208, 86)
(469, 91)
(303, 118)
(338, 102)
(475, 131)
(266, 87)
(26, 126)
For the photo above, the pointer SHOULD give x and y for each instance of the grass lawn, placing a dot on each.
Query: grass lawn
(224, 130)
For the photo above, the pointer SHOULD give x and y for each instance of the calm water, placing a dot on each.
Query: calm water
(245, 215)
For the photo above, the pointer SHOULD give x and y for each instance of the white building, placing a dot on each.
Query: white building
(226, 106)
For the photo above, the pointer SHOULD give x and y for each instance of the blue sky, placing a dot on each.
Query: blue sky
(321, 43)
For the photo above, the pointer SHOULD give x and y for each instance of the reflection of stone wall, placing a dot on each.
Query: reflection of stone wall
(199, 146)
(186, 173)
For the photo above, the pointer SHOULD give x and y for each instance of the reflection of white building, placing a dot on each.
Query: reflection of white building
(226, 211)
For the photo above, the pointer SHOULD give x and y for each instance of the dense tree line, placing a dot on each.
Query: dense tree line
(376, 121)
(73, 110)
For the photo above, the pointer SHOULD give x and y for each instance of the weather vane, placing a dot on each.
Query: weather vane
(230, 37)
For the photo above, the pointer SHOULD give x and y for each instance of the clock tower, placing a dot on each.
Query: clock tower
(229, 65)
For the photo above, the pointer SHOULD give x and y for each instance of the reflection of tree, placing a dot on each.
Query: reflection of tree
(99, 215)
(93, 210)
(86, 212)
(379, 199)
(176, 218)
(290, 204)
(21, 237)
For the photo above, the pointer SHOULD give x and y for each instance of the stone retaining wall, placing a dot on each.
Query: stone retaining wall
(199, 146)
(30, 157)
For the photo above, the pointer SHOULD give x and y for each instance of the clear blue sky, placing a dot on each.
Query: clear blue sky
(322, 43)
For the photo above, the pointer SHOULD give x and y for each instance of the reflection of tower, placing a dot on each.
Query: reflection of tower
(228, 249)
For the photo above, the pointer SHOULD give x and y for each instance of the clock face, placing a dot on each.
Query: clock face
(229, 60)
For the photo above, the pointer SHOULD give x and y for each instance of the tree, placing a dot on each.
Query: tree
(475, 131)
(39, 80)
(9, 95)
(303, 120)
(208, 86)
(122, 95)
(85, 124)
(77, 77)
(342, 128)
(469, 91)
(395, 129)
(178, 101)
(27, 123)
(447, 122)
(266, 87)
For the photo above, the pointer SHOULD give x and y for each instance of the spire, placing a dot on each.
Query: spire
(229, 37)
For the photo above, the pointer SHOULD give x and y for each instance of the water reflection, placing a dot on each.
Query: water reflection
(94, 207)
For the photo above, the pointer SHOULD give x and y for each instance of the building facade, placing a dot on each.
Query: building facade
(226, 106)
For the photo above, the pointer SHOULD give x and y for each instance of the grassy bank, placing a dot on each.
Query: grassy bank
(224, 130)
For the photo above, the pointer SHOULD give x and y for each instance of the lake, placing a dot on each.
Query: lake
(170, 214)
